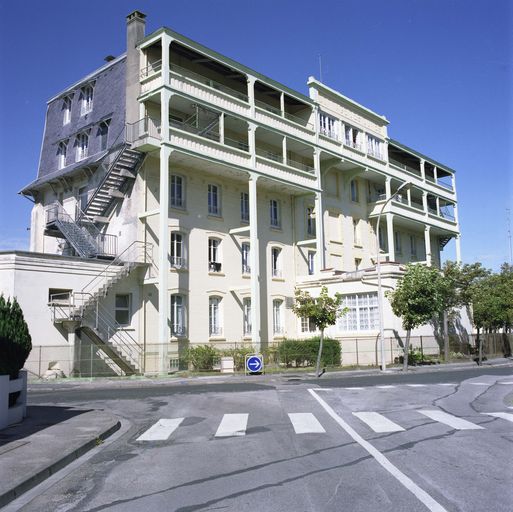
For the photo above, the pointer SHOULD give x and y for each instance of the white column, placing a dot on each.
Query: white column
(221, 128)
(252, 143)
(408, 195)
(166, 41)
(251, 94)
(424, 202)
(319, 215)
(427, 244)
(438, 206)
(388, 188)
(254, 255)
(284, 149)
(435, 173)
(165, 153)
(390, 236)
(282, 104)
(423, 169)
(458, 248)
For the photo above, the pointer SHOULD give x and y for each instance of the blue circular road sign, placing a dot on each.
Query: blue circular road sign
(254, 364)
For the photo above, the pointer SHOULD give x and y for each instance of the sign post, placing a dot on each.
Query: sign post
(254, 364)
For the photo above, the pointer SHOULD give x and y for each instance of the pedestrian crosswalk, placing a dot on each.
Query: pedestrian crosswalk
(235, 425)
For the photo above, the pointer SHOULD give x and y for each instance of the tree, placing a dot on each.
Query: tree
(418, 298)
(322, 312)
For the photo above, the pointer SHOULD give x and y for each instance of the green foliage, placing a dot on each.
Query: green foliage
(458, 282)
(202, 357)
(419, 296)
(239, 355)
(303, 352)
(322, 310)
(15, 340)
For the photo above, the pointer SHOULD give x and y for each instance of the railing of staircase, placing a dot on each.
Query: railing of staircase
(145, 127)
(136, 252)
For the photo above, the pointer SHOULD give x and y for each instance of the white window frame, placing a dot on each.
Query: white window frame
(311, 262)
(245, 256)
(214, 200)
(310, 221)
(398, 242)
(277, 316)
(66, 107)
(122, 309)
(374, 147)
(62, 152)
(214, 254)
(276, 270)
(357, 236)
(82, 148)
(307, 326)
(177, 191)
(177, 250)
(87, 96)
(244, 207)
(362, 314)
(275, 213)
(413, 245)
(246, 316)
(214, 316)
(104, 135)
(352, 137)
(178, 315)
(328, 125)
(355, 192)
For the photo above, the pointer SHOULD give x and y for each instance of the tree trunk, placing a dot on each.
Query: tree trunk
(406, 349)
(480, 356)
(317, 368)
(446, 337)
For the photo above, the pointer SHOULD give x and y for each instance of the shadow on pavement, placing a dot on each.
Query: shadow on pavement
(38, 418)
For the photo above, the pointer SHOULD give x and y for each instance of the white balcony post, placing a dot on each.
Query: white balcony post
(254, 258)
(438, 206)
(408, 195)
(435, 174)
(252, 143)
(427, 244)
(166, 42)
(388, 188)
(319, 215)
(221, 128)
(390, 237)
(282, 104)
(424, 202)
(284, 149)
(423, 169)
(251, 93)
(458, 248)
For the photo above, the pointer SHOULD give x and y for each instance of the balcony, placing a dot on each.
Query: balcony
(144, 135)
(178, 262)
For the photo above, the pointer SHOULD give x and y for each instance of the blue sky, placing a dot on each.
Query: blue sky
(440, 70)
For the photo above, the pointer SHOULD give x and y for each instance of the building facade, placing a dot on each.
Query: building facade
(182, 198)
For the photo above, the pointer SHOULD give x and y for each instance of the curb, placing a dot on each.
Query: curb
(56, 466)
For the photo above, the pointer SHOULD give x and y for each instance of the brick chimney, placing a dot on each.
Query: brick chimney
(135, 30)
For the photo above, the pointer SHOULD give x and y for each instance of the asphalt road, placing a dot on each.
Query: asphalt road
(413, 442)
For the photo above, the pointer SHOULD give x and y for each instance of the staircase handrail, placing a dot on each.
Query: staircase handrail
(121, 259)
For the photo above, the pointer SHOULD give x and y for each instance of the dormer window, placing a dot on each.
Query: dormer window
(103, 134)
(374, 147)
(61, 154)
(86, 99)
(81, 146)
(66, 110)
(352, 137)
(328, 126)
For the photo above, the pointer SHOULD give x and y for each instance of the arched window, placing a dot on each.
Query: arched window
(61, 155)
(81, 146)
(214, 316)
(86, 99)
(103, 133)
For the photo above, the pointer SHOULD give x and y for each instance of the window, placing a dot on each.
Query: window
(328, 125)
(362, 312)
(374, 147)
(59, 296)
(356, 232)
(82, 198)
(86, 97)
(355, 196)
(276, 262)
(66, 110)
(310, 221)
(81, 146)
(413, 245)
(246, 308)
(246, 269)
(177, 192)
(214, 316)
(357, 263)
(397, 242)
(274, 206)
(307, 325)
(352, 137)
(178, 315)
(122, 309)
(382, 240)
(214, 264)
(177, 255)
(311, 263)
(244, 207)
(277, 321)
(103, 133)
(61, 155)
(214, 200)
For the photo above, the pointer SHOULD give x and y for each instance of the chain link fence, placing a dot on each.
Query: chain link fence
(90, 361)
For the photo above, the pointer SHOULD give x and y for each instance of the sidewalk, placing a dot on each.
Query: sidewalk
(51, 437)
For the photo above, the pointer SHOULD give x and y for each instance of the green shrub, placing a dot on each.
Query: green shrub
(202, 357)
(293, 352)
(239, 355)
(15, 340)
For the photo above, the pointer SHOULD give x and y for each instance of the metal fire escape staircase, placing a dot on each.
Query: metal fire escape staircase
(119, 348)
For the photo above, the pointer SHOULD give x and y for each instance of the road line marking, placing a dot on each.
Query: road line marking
(416, 385)
(422, 495)
(449, 419)
(385, 387)
(504, 415)
(324, 389)
(378, 422)
(510, 407)
(161, 430)
(479, 383)
(306, 423)
(232, 425)
(505, 382)
(447, 384)
(353, 388)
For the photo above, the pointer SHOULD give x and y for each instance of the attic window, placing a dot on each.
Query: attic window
(86, 99)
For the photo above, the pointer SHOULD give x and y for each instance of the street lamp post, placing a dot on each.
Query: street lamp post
(405, 186)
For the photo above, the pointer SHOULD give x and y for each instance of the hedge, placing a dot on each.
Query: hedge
(303, 352)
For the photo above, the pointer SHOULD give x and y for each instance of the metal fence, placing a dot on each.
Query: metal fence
(88, 360)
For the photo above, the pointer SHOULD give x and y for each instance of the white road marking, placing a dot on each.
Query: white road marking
(377, 422)
(447, 384)
(385, 387)
(449, 419)
(479, 383)
(161, 430)
(416, 385)
(305, 423)
(422, 495)
(232, 425)
(353, 388)
(504, 415)
(505, 382)
(324, 389)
